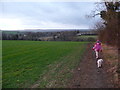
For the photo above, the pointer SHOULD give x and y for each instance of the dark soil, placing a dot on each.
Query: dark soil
(87, 75)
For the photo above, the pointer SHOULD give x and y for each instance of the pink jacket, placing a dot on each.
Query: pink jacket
(97, 47)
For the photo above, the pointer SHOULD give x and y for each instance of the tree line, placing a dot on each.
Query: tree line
(49, 36)
(40, 36)
(109, 26)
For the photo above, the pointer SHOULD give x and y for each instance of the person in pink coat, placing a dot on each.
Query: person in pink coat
(97, 48)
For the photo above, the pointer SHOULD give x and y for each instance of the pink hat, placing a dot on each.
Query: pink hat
(98, 41)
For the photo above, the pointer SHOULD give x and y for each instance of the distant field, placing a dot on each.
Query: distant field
(48, 63)
(88, 37)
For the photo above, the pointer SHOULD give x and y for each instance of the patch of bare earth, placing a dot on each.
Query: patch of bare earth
(87, 75)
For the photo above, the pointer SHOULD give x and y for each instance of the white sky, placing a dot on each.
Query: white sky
(45, 15)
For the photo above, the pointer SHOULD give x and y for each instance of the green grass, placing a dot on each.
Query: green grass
(48, 64)
(88, 36)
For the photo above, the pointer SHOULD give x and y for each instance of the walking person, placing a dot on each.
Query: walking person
(97, 48)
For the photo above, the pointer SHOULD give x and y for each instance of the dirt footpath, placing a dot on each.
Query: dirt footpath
(87, 75)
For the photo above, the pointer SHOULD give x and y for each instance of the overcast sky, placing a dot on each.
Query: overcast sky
(46, 15)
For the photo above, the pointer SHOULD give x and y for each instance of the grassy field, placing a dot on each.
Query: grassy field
(88, 36)
(39, 64)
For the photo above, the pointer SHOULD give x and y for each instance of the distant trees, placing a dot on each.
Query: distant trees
(48, 36)
(111, 19)
(9, 36)
(67, 35)
(40, 36)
